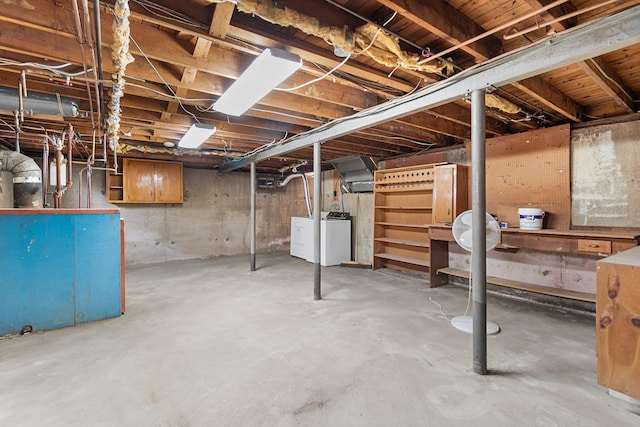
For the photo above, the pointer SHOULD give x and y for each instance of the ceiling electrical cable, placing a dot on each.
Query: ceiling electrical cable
(327, 74)
(177, 98)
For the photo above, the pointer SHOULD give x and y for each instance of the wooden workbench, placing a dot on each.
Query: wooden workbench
(598, 243)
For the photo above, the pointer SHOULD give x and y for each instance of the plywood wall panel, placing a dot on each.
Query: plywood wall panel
(530, 169)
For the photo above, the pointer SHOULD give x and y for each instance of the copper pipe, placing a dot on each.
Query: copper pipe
(80, 180)
(80, 186)
(45, 171)
(494, 30)
(81, 40)
(553, 21)
(57, 196)
(90, 43)
(71, 134)
(17, 132)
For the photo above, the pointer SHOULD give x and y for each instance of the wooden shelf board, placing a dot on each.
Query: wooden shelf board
(407, 260)
(399, 224)
(575, 233)
(412, 189)
(530, 287)
(405, 208)
(403, 242)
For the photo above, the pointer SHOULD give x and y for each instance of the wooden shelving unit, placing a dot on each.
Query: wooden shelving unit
(145, 181)
(115, 184)
(402, 214)
(450, 192)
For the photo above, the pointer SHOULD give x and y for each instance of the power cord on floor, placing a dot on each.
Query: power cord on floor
(468, 301)
(440, 307)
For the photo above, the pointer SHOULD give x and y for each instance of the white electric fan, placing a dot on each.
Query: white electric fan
(463, 234)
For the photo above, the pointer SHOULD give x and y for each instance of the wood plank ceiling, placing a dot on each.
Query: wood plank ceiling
(185, 54)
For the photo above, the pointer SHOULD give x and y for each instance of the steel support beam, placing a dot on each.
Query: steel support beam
(252, 217)
(597, 38)
(479, 233)
(317, 198)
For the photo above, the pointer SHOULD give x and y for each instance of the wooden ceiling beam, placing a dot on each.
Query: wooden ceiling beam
(448, 23)
(552, 98)
(221, 19)
(597, 68)
(609, 81)
(438, 19)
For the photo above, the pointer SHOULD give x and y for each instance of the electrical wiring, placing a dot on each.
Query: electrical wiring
(362, 83)
(169, 96)
(163, 80)
(344, 61)
(327, 74)
(169, 14)
(291, 116)
(400, 138)
(53, 69)
(271, 144)
(538, 112)
(373, 110)
(612, 80)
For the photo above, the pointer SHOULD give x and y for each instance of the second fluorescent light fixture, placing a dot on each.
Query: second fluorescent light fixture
(264, 74)
(197, 134)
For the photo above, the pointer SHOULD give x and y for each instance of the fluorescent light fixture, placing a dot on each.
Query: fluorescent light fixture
(197, 134)
(264, 74)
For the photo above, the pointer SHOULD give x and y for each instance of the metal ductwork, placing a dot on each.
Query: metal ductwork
(27, 179)
(38, 103)
(356, 172)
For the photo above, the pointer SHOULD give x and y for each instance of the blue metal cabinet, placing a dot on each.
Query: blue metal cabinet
(58, 268)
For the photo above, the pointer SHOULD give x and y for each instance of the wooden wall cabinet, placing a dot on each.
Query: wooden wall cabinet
(450, 192)
(618, 322)
(145, 181)
(402, 214)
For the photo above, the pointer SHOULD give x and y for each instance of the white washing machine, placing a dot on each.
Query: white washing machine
(335, 240)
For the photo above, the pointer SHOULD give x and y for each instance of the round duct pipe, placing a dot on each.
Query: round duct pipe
(27, 179)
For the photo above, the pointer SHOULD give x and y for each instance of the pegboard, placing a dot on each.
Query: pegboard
(530, 169)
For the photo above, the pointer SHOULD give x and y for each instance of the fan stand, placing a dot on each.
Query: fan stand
(465, 324)
(461, 231)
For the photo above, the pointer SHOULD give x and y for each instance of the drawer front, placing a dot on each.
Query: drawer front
(594, 246)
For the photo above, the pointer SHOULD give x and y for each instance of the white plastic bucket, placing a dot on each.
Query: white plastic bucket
(531, 218)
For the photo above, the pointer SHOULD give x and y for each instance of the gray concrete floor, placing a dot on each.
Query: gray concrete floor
(208, 343)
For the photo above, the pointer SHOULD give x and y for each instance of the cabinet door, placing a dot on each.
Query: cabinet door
(443, 194)
(168, 182)
(139, 180)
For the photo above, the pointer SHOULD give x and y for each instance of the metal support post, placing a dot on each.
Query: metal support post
(479, 208)
(317, 198)
(252, 217)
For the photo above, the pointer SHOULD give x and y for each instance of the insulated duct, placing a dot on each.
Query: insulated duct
(375, 42)
(38, 103)
(27, 179)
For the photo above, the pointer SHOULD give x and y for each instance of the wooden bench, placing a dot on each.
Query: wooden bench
(598, 243)
(524, 286)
